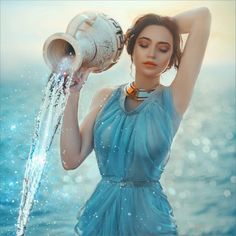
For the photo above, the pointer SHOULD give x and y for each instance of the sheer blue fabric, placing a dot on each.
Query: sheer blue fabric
(132, 149)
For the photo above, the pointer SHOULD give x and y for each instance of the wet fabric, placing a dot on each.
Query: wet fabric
(132, 149)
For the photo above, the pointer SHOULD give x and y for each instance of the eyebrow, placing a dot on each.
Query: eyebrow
(160, 42)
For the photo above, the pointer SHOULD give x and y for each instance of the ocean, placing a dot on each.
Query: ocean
(199, 180)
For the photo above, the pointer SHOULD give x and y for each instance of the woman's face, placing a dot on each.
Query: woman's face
(152, 51)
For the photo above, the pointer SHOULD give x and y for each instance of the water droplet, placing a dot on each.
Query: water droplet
(129, 214)
(12, 127)
(115, 148)
(95, 214)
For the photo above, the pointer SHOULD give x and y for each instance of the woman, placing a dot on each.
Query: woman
(131, 127)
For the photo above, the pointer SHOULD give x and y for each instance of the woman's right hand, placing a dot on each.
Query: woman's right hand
(79, 78)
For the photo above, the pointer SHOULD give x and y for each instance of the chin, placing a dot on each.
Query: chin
(150, 74)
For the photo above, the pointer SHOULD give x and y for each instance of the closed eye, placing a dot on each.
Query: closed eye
(143, 46)
(164, 51)
(146, 46)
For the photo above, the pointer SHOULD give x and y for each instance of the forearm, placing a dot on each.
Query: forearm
(70, 140)
(187, 19)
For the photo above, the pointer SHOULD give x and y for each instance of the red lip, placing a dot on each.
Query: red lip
(150, 63)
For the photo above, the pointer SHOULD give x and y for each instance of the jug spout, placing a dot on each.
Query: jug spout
(59, 46)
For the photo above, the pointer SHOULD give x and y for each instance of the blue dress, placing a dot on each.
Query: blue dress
(132, 149)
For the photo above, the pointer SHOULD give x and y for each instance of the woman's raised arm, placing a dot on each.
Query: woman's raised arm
(196, 23)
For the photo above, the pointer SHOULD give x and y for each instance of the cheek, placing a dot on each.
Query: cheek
(165, 60)
(137, 56)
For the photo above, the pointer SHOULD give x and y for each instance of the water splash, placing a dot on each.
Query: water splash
(47, 122)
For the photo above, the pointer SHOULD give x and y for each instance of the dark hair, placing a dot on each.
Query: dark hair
(153, 19)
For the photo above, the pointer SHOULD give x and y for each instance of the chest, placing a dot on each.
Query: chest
(130, 104)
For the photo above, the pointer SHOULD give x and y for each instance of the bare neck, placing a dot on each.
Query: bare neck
(148, 83)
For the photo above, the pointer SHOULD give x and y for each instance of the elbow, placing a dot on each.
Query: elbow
(206, 14)
(66, 167)
(203, 22)
(69, 161)
(208, 20)
(69, 166)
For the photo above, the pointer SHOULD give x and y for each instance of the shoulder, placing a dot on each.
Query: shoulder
(105, 91)
(102, 95)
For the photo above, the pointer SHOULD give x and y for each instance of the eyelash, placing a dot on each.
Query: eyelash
(145, 46)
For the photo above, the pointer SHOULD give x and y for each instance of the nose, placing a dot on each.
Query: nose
(152, 52)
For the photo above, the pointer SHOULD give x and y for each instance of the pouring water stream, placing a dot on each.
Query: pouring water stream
(47, 122)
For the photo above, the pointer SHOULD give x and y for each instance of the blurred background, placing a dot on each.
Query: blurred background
(200, 178)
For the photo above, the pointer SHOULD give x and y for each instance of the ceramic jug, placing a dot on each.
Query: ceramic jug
(91, 40)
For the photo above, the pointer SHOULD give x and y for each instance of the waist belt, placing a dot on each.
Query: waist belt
(130, 183)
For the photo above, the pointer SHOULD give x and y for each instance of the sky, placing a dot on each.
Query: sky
(25, 25)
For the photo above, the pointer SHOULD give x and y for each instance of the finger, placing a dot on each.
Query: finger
(81, 75)
(73, 83)
(77, 80)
